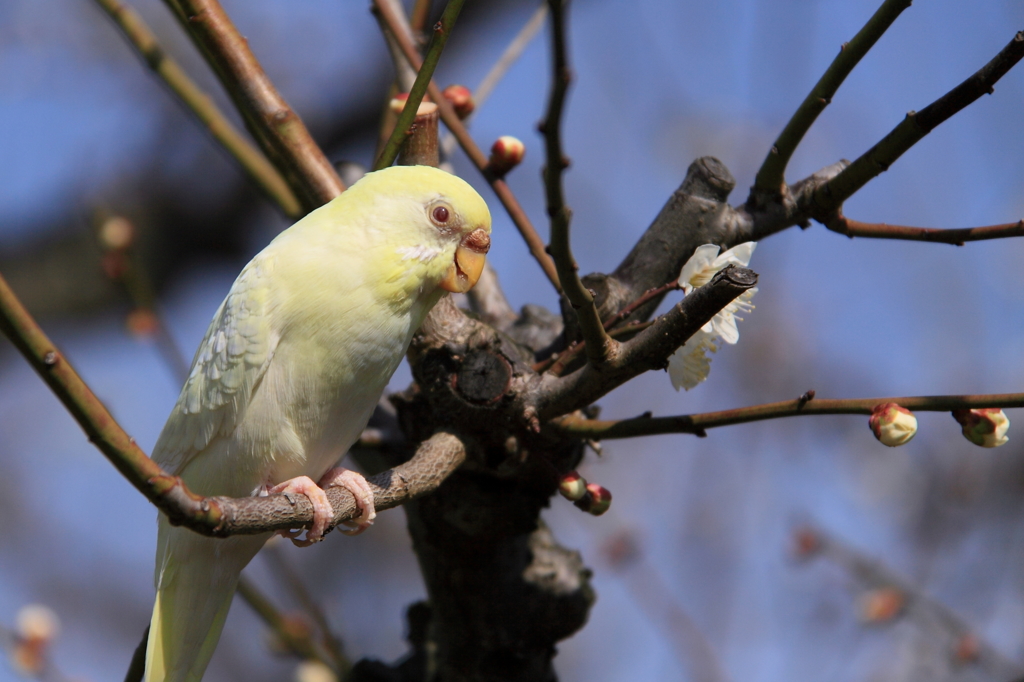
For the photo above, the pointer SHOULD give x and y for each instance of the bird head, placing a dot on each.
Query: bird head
(428, 226)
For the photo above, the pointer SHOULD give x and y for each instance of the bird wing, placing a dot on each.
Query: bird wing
(226, 370)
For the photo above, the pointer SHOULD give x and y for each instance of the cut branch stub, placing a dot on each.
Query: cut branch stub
(484, 377)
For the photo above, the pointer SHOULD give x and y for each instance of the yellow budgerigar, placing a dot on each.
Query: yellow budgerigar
(290, 371)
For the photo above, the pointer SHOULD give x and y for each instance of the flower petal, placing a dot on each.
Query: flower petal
(701, 259)
(737, 255)
(689, 365)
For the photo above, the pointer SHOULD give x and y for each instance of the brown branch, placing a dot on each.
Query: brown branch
(214, 516)
(965, 645)
(830, 196)
(275, 557)
(556, 396)
(479, 159)
(770, 177)
(277, 128)
(293, 635)
(558, 362)
(698, 423)
(505, 61)
(251, 159)
(600, 347)
(647, 296)
(438, 40)
(854, 228)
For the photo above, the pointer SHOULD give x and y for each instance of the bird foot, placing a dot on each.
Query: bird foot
(356, 484)
(323, 512)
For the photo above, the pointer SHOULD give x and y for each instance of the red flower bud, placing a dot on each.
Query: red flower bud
(985, 426)
(892, 425)
(461, 99)
(600, 499)
(506, 153)
(572, 486)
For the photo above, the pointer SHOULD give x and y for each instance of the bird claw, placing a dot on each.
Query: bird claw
(323, 512)
(356, 484)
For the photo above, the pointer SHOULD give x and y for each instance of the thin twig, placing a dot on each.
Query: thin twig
(830, 196)
(697, 423)
(955, 236)
(419, 16)
(251, 159)
(278, 129)
(600, 347)
(439, 38)
(648, 295)
(298, 640)
(655, 598)
(479, 159)
(924, 609)
(275, 557)
(509, 57)
(771, 176)
(557, 363)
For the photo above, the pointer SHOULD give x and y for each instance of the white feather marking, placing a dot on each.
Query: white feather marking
(420, 252)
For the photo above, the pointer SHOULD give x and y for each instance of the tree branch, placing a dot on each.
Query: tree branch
(301, 643)
(556, 396)
(854, 228)
(251, 159)
(505, 61)
(600, 347)
(277, 128)
(435, 459)
(924, 609)
(830, 196)
(771, 176)
(479, 159)
(438, 39)
(598, 429)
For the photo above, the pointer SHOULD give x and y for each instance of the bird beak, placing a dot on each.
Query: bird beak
(469, 262)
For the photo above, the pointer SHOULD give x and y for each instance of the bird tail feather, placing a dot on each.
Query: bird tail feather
(196, 580)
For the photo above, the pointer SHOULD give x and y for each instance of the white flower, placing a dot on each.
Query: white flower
(690, 365)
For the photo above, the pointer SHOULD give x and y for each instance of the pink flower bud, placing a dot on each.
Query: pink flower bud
(36, 627)
(601, 499)
(461, 99)
(572, 486)
(506, 153)
(881, 605)
(985, 426)
(892, 425)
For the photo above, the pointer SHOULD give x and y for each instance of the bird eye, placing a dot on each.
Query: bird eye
(440, 215)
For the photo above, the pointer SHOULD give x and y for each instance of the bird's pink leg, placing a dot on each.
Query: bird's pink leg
(323, 512)
(354, 482)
